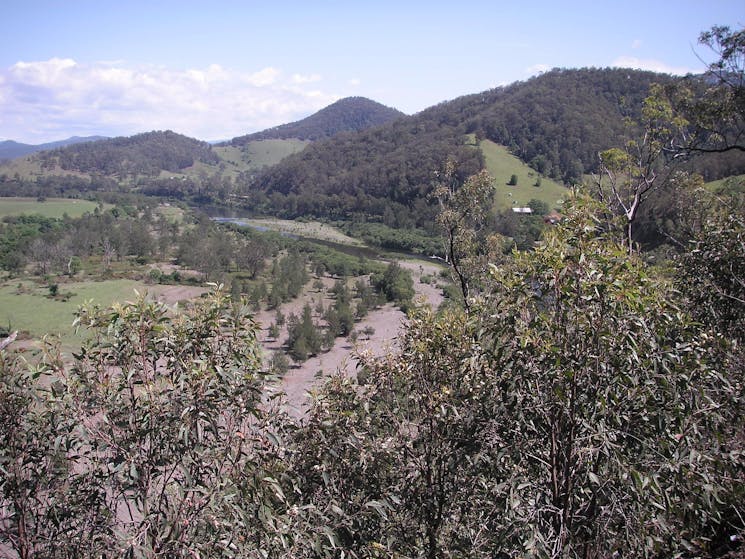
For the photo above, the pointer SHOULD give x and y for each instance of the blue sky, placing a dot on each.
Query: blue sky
(218, 69)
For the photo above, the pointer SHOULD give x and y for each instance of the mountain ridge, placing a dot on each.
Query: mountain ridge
(557, 123)
(351, 114)
(10, 149)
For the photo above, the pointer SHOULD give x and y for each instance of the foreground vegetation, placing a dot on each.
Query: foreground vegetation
(582, 411)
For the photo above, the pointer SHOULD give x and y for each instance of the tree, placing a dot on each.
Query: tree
(711, 274)
(251, 255)
(628, 175)
(539, 207)
(679, 119)
(513, 180)
(274, 330)
(50, 507)
(236, 290)
(462, 218)
(712, 110)
(303, 337)
(595, 330)
(108, 253)
(279, 364)
(395, 284)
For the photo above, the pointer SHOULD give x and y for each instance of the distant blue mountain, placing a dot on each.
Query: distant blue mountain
(10, 149)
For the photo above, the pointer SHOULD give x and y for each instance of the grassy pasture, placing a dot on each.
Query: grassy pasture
(24, 304)
(501, 165)
(234, 160)
(51, 207)
(270, 152)
(258, 154)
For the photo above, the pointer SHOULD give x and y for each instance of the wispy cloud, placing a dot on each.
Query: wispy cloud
(636, 44)
(652, 65)
(47, 100)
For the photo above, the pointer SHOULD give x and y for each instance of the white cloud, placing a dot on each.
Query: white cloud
(636, 44)
(537, 69)
(56, 98)
(42, 73)
(652, 65)
(354, 82)
(267, 76)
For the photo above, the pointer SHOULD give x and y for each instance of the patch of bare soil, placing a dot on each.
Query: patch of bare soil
(174, 294)
(26, 344)
(429, 292)
(386, 322)
(299, 382)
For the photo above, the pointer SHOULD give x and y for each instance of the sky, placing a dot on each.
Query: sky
(219, 69)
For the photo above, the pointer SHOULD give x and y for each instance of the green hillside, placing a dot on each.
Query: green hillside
(260, 153)
(501, 165)
(142, 154)
(556, 123)
(29, 167)
(234, 160)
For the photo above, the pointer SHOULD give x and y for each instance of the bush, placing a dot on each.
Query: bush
(105, 461)
(395, 284)
(279, 364)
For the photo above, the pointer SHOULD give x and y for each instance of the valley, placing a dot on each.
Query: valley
(44, 306)
(509, 325)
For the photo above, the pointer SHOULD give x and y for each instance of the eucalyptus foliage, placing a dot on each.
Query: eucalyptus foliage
(151, 443)
(574, 411)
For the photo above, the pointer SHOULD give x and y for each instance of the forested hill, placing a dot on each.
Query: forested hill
(142, 154)
(386, 170)
(346, 115)
(10, 149)
(556, 122)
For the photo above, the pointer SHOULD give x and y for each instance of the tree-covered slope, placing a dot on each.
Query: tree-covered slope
(384, 172)
(556, 122)
(346, 115)
(142, 154)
